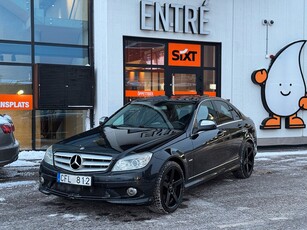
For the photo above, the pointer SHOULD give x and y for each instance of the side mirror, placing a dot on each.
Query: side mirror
(204, 125)
(102, 120)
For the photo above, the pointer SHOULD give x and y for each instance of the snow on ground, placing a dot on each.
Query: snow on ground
(261, 154)
(14, 184)
(28, 159)
(31, 155)
(33, 158)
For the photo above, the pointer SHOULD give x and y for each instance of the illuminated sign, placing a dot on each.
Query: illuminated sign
(173, 17)
(184, 54)
(16, 102)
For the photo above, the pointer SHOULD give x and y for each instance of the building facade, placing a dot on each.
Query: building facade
(74, 61)
(41, 42)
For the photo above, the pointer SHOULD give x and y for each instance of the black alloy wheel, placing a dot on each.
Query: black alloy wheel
(169, 189)
(247, 158)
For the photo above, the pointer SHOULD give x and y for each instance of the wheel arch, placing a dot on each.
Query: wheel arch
(180, 162)
(253, 142)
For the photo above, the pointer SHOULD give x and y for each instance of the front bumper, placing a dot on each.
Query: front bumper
(107, 186)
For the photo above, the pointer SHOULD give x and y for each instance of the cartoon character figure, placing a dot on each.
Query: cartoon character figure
(283, 89)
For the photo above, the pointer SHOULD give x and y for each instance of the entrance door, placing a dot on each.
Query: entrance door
(183, 81)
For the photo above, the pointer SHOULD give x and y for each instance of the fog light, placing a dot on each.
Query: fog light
(131, 191)
(42, 180)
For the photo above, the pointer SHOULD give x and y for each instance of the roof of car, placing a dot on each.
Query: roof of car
(192, 98)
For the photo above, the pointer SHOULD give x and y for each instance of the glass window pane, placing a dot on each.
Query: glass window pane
(61, 55)
(15, 53)
(143, 82)
(148, 53)
(23, 126)
(209, 83)
(15, 78)
(209, 56)
(55, 125)
(61, 21)
(184, 84)
(224, 112)
(15, 20)
(157, 81)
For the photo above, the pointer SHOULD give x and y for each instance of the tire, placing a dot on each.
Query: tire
(169, 189)
(247, 159)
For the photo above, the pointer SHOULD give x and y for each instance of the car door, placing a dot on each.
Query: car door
(230, 124)
(207, 144)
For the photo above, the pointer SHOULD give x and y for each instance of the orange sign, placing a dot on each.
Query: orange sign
(137, 93)
(16, 102)
(184, 54)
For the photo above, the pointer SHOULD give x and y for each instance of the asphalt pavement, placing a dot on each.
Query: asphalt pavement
(274, 197)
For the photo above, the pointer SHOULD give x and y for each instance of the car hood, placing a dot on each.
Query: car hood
(115, 140)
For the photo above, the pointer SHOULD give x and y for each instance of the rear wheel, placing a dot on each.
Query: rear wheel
(247, 158)
(169, 189)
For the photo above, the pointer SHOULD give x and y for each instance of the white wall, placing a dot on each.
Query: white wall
(249, 50)
(237, 24)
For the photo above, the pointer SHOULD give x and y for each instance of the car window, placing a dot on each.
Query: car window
(166, 115)
(140, 116)
(224, 112)
(235, 114)
(206, 111)
(128, 117)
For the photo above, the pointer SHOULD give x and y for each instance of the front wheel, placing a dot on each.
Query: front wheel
(169, 189)
(247, 158)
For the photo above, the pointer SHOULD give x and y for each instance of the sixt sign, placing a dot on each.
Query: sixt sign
(174, 17)
(184, 54)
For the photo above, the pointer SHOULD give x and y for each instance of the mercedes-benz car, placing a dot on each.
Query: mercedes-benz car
(9, 146)
(150, 151)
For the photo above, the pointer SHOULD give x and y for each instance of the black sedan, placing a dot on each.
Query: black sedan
(9, 146)
(150, 150)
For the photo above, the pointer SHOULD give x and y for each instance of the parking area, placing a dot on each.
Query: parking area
(274, 197)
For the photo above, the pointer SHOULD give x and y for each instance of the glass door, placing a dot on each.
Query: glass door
(183, 81)
(183, 84)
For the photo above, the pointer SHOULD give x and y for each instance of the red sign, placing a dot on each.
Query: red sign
(16, 102)
(184, 54)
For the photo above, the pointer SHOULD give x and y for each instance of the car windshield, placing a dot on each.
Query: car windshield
(159, 115)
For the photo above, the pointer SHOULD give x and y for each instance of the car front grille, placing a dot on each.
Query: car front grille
(82, 162)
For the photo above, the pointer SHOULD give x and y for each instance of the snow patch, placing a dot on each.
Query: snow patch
(24, 163)
(28, 159)
(31, 155)
(16, 184)
(72, 217)
(280, 153)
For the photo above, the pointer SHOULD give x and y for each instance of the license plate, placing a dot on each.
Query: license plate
(74, 179)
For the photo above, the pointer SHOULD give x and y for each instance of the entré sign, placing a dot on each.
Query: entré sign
(174, 17)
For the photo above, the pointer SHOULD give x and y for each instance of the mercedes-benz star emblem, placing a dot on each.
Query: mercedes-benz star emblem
(75, 162)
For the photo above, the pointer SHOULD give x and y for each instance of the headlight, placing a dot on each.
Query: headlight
(48, 158)
(135, 161)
